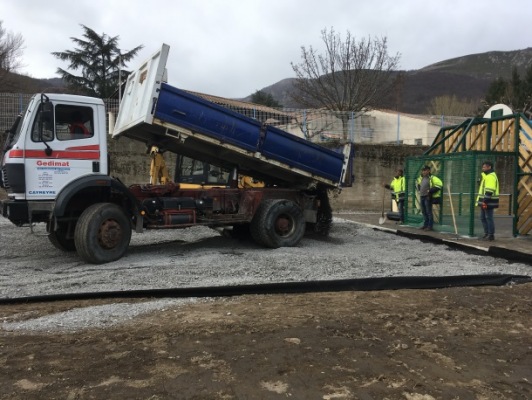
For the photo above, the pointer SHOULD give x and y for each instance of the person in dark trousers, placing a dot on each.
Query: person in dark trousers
(488, 199)
(429, 187)
(398, 188)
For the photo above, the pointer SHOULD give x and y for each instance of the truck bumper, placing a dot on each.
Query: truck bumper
(15, 211)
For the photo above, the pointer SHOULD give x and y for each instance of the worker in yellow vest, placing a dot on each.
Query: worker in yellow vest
(398, 188)
(430, 188)
(488, 199)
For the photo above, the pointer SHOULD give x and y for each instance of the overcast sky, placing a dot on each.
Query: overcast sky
(231, 48)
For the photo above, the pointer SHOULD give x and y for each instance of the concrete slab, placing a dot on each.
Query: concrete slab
(518, 249)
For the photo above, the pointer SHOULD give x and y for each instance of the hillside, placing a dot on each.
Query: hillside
(490, 65)
(466, 77)
(15, 83)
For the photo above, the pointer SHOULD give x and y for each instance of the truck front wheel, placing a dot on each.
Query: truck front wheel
(102, 233)
(278, 223)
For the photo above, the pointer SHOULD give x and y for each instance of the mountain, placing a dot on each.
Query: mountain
(466, 77)
(15, 83)
(490, 65)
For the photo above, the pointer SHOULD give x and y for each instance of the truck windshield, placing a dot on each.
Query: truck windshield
(14, 132)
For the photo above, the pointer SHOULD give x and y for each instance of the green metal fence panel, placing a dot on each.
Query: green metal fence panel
(460, 172)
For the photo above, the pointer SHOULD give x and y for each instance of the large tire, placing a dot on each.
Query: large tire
(278, 223)
(58, 236)
(102, 233)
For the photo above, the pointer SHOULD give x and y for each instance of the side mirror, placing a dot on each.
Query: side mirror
(46, 127)
(47, 115)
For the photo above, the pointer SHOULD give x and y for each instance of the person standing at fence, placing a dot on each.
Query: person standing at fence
(429, 187)
(398, 188)
(488, 199)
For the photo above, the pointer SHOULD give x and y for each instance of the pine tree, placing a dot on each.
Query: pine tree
(99, 60)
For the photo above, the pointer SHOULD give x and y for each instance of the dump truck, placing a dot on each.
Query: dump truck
(56, 170)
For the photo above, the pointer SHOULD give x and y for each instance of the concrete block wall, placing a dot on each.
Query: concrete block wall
(374, 164)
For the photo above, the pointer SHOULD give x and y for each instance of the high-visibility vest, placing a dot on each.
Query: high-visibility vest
(398, 188)
(488, 191)
(434, 182)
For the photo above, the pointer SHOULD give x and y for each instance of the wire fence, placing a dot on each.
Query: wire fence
(317, 125)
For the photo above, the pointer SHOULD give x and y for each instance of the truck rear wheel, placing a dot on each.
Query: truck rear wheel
(102, 233)
(278, 223)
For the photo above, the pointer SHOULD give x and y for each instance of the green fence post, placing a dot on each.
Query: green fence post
(472, 201)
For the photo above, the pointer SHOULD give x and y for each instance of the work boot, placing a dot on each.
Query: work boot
(491, 238)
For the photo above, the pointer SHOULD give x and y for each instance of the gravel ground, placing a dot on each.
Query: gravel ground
(459, 342)
(202, 257)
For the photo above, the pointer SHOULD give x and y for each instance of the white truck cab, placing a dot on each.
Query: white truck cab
(58, 139)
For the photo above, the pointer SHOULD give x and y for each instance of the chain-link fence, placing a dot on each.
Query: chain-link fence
(317, 125)
(320, 125)
(12, 104)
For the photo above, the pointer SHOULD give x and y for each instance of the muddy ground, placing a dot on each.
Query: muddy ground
(455, 343)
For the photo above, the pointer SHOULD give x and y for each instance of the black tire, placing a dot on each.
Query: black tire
(59, 237)
(102, 233)
(278, 223)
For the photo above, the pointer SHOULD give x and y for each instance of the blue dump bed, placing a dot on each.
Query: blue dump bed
(260, 141)
(176, 120)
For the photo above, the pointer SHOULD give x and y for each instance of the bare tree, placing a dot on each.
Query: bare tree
(453, 106)
(350, 75)
(11, 46)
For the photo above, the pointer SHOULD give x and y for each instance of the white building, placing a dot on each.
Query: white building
(376, 126)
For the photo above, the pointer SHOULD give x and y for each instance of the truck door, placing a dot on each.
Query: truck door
(61, 147)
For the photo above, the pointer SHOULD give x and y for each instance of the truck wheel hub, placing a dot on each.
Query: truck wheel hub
(110, 234)
(283, 226)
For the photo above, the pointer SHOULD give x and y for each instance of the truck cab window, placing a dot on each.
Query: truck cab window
(73, 122)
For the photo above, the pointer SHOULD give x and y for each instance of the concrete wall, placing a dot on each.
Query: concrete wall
(374, 164)
(393, 127)
(130, 161)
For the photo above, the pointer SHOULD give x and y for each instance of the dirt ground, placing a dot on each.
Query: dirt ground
(455, 343)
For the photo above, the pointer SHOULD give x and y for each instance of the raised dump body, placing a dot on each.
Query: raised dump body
(156, 113)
